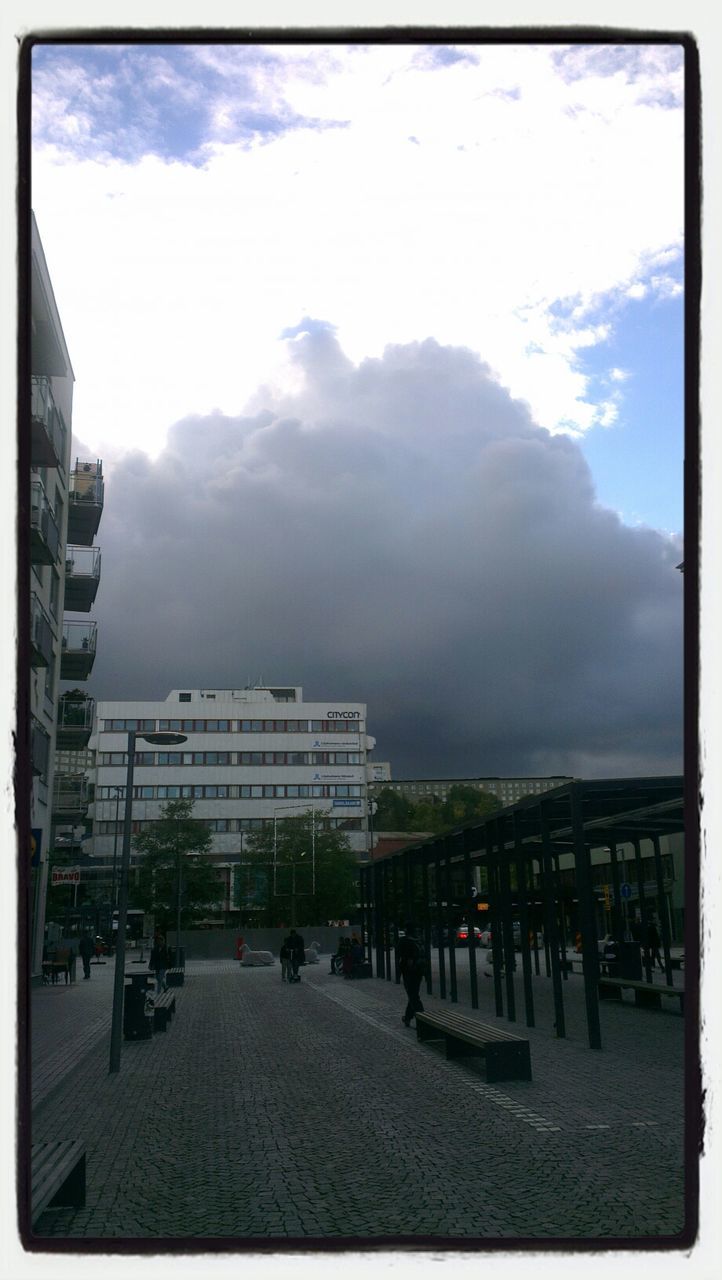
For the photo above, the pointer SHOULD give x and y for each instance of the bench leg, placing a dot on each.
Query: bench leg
(427, 1033)
(72, 1192)
(648, 999)
(508, 1062)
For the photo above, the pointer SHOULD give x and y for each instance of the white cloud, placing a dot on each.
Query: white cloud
(174, 292)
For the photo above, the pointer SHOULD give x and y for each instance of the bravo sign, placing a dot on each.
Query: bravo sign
(66, 875)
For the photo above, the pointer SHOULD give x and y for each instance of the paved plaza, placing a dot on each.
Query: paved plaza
(276, 1113)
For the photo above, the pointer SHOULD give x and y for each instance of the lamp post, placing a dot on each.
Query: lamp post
(179, 872)
(115, 855)
(157, 739)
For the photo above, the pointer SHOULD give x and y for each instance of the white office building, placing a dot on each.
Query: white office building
(251, 756)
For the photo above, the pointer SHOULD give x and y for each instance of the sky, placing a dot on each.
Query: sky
(382, 350)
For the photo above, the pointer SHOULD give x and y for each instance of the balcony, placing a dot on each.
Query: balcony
(75, 722)
(77, 653)
(48, 432)
(71, 797)
(39, 749)
(44, 532)
(85, 498)
(42, 634)
(82, 577)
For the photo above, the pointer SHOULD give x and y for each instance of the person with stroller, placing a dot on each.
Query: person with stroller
(297, 950)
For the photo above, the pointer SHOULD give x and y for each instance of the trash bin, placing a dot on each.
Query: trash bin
(628, 963)
(137, 1012)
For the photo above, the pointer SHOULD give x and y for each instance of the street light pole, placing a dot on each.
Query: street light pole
(178, 904)
(115, 856)
(116, 1030)
(119, 976)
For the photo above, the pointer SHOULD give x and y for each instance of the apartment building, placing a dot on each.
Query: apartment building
(65, 506)
(251, 757)
(506, 790)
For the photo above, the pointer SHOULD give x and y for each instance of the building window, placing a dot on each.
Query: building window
(184, 697)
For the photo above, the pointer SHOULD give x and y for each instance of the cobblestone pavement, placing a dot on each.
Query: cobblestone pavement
(270, 1112)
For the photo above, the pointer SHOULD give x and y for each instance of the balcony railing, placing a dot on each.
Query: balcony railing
(44, 532)
(85, 498)
(71, 796)
(75, 722)
(82, 577)
(77, 653)
(48, 430)
(39, 748)
(42, 634)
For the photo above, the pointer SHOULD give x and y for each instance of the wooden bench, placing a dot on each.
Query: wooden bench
(647, 995)
(507, 1055)
(57, 1176)
(175, 977)
(163, 1010)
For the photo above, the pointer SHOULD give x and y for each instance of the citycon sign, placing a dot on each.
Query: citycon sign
(66, 875)
(343, 715)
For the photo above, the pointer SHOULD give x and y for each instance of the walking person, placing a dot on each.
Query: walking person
(298, 952)
(412, 965)
(159, 962)
(86, 948)
(653, 945)
(285, 954)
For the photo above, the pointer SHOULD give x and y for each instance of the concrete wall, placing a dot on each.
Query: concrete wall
(207, 944)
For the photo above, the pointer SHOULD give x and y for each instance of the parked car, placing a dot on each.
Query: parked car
(462, 936)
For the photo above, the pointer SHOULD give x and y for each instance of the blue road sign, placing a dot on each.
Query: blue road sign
(625, 890)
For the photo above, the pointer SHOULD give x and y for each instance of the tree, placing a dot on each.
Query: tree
(303, 873)
(176, 835)
(462, 804)
(394, 812)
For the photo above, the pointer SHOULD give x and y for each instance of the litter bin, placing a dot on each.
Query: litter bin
(628, 963)
(137, 1011)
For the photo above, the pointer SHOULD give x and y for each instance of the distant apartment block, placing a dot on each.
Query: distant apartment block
(506, 790)
(65, 508)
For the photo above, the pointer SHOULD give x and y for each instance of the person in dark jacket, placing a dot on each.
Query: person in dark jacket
(412, 965)
(86, 949)
(295, 943)
(653, 945)
(159, 962)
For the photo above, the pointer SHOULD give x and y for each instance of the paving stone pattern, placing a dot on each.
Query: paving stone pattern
(295, 1113)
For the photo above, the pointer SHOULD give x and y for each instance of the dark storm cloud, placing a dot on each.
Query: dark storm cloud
(400, 533)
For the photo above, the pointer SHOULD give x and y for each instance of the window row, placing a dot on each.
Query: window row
(232, 726)
(223, 824)
(233, 791)
(151, 758)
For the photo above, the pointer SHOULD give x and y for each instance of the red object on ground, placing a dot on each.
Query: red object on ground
(239, 944)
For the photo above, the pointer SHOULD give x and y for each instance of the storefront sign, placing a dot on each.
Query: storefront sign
(338, 804)
(65, 875)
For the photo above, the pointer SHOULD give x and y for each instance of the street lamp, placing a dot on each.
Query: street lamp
(115, 858)
(156, 739)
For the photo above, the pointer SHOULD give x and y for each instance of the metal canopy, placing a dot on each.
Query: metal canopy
(518, 849)
(612, 810)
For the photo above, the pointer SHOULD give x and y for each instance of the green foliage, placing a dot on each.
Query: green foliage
(177, 833)
(284, 889)
(463, 804)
